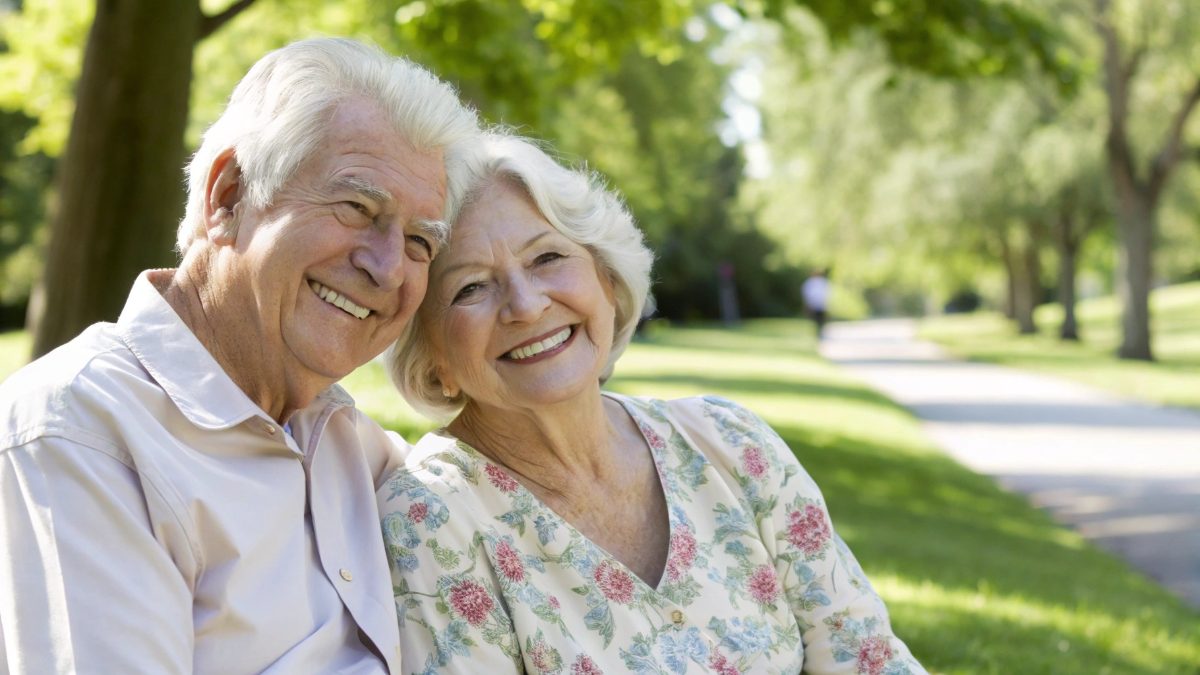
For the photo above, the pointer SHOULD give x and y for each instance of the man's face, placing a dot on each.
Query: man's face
(330, 273)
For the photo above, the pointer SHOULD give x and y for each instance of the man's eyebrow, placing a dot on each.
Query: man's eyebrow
(438, 230)
(364, 188)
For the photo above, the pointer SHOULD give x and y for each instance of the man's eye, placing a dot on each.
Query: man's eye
(361, 208)
(423, 242)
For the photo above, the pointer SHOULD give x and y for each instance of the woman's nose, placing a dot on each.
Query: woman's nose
(524, 300)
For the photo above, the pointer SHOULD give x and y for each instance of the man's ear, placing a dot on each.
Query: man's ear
(223, 194)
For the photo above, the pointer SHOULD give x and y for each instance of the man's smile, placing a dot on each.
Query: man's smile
(338, 300)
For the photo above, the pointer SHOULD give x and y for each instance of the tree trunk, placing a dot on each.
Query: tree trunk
(1067, 245)
(1135, 264)
(1028, 287)
(1011, 275)
(120, 181)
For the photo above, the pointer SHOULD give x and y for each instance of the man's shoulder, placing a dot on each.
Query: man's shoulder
(64, 386)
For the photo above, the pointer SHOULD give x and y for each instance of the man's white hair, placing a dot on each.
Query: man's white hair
(277, 116)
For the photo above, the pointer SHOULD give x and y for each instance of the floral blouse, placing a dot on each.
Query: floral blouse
(488, 579)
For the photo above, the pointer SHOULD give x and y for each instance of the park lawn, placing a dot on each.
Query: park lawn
(1174, 379)
(976, 580)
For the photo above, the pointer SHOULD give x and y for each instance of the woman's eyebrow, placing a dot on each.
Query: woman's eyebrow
(471, 263)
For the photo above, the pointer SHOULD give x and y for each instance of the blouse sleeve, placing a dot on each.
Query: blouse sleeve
(447, 595)
(843, 621)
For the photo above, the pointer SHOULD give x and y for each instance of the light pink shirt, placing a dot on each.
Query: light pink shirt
(155, 520)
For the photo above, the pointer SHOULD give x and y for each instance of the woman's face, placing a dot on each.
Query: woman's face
(518, 315)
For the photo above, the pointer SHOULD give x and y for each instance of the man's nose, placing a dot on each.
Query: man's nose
(382, 258)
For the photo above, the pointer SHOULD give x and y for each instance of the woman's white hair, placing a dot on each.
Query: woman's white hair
(278, 114)
(578, 205)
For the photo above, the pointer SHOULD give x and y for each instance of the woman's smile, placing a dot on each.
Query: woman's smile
(541, 348)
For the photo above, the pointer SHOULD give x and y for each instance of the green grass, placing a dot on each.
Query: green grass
(976, 580)
(14, 351)
(1174, 379)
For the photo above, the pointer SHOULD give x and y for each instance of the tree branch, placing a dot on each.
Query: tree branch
(210, 23)
(1172, 149)
(1116, 86)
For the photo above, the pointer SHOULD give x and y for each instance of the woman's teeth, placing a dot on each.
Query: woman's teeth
(539, 347)
(340, 301)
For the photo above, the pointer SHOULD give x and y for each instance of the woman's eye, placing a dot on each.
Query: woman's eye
(549, 256)
(466, 292)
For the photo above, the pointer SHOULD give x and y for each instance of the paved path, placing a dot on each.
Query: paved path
(1124, 474)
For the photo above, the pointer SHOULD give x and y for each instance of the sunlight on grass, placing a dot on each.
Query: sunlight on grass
(1056, 638)
(1173, 380)
(14, 351)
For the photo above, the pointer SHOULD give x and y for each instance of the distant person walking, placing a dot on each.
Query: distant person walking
(816, 298)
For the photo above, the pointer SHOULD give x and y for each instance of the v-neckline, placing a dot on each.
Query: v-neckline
(655, 457)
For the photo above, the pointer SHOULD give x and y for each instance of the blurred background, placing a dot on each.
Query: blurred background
(937, 155)
(1026, 172)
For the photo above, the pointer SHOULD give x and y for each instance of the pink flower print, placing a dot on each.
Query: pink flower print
(544, 657)
(499, 478)
(584, 665)
(614, 583)
(873, 655)
(808, 530)
(683, 553)
(471, 601)
(653, 438)
(418, 511)
(763, 585)
(754, 462)
(554, 603)
(720, 664)
(509, 562)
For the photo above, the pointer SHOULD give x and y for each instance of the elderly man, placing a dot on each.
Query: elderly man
(187, 490)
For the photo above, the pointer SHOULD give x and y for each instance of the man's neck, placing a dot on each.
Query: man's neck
(224, 332)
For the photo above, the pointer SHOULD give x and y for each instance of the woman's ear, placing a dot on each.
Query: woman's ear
(223, 194)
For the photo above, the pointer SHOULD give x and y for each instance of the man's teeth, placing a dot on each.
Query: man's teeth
(539, 347)
(340, 301)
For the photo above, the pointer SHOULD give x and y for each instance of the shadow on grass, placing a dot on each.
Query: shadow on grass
(733, 386)
(782, 338)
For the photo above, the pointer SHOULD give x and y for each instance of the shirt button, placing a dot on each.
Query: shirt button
(269, 428)
(677, 617)
(346, 574)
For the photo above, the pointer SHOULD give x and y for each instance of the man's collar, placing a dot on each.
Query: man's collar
(178, 362)
(185, 369)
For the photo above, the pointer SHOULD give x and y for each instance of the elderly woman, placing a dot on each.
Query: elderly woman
(553, 527)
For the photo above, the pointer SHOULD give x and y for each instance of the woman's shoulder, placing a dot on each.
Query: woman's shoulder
(437, 464)
(732, 437)
(688, 408)
(706, 414)
(431, 505)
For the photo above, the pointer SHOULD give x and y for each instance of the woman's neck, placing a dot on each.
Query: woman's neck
(551, 448)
